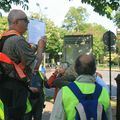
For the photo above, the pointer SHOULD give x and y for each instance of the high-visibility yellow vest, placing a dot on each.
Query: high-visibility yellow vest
(70, 101)
(1, 110)
(29, 107)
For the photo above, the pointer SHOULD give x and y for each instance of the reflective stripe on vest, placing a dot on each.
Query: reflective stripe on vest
(29, 107)
(1, 111)
(4, 58)
(70, 100)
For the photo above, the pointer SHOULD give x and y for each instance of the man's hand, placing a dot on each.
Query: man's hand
(40, 50)
(42, 42)
(34, 90)
(61, 70)
(98, 74)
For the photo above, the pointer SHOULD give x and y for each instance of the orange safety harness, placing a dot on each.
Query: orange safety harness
(4, 58)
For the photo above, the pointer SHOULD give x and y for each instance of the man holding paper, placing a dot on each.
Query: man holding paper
(19, 51)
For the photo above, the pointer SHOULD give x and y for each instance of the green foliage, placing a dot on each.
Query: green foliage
(114, 58)
(98, 46)
(3, 24)
(104, 7)
(55, 39)
(34, 15)
(117, 19)
(75, 18)
(6, 4)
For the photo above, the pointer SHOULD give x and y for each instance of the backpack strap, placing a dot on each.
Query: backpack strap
(97, 92)
(77, 92)
(4, 58)
(9, 33)
(80, 96)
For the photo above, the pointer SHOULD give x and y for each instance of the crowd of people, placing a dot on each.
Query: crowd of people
(22, 83)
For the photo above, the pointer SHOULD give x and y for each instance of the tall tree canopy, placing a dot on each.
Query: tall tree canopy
(103, 7)
(75, 19)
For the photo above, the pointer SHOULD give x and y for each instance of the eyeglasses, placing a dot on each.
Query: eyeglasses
(25, 19)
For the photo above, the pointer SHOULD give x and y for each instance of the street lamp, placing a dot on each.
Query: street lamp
(40, 13)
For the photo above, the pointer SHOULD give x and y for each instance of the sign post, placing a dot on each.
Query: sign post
(109, 40)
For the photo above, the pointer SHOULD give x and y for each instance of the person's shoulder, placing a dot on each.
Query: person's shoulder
(19, 38)
(15, 39)
(12, 40)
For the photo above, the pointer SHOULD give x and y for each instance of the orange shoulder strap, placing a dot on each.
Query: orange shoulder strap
(4, 58)
(9, 33)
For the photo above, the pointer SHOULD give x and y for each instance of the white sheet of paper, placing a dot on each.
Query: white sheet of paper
(36, 29)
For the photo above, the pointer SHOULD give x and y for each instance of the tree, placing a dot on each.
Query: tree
(6, 4)
(117, 19)
(98, 46)
(75, 19)
(103, 7)
(55, 37)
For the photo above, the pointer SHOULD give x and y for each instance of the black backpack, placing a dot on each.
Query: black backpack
(3, 76)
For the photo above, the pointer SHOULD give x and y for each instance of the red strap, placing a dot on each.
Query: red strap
(4, 58)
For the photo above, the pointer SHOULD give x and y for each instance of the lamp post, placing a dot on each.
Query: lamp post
(40, 13)
(0, 14)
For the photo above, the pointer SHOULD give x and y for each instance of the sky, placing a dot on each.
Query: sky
(57, 9)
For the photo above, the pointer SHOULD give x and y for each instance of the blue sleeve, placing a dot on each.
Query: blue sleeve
(102, 83)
